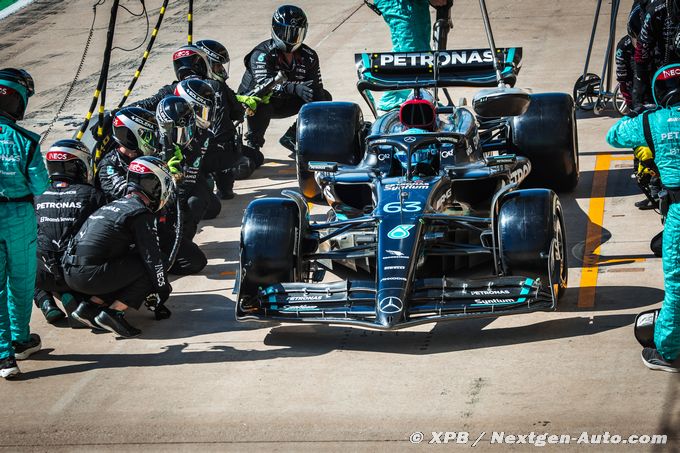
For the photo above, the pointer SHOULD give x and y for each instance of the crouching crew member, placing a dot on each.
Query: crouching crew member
(192, 62)
(116, 256)
(61, 211)
(22, 176)
(660, 130)
(177, 123)
(283, 52)
(135, 132)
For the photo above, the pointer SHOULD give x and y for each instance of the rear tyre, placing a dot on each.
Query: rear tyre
(532, 238)
(269, 245)
(327, 132)
(546, 134)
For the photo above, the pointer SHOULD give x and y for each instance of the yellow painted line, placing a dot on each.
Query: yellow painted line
(287, 171)
(622, 260)
(591, 249)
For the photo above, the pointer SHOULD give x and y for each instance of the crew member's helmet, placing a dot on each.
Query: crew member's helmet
(16, 86)
(190, 61)
(151, 176)
(201, 96)
(289, 27)
(635, 21)
(418, 113)
(69, 160)
(218, 57)
(666, 85)
(136, 128)
(176, 120)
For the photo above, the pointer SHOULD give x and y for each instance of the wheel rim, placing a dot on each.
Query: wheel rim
(585, 91)
(557, 255)
(619, 102)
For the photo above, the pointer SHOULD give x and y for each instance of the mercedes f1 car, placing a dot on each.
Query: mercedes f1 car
(435, 213)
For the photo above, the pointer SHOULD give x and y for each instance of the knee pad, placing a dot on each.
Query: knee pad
(644, 328)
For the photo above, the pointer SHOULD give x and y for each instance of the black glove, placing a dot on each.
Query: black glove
(302, 90)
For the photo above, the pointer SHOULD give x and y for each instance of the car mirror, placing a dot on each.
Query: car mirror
(498, 102)
(329, 167)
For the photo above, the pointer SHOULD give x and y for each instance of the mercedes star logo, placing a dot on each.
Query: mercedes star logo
(409, 139)
(391, 305)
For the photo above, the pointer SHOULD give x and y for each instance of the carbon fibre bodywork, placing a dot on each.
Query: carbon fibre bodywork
(424, 247)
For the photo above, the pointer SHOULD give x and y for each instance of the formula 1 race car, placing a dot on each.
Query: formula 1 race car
(435, 212)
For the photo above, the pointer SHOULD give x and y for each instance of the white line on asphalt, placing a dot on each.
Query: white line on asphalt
(14, 8)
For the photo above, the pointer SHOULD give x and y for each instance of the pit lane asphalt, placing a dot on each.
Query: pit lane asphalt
(202, 381)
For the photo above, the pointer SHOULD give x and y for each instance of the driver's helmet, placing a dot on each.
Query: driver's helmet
(418, 113)
(423, 156)
(666, 85)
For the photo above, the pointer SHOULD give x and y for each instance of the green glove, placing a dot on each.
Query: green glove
(175, 162)
(250, 101)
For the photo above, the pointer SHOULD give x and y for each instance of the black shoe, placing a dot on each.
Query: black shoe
(9, 368)
(226, 194)
(86, 312)
(288, 140)
(288, 143)
(646, 205)
(254, 154)
(655, 361)
(22, 351)
(70, 303)
(50, 311)
(114, 321)
(243, 168)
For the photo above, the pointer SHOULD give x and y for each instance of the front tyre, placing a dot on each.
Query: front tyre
(532, 238)
(269, 245)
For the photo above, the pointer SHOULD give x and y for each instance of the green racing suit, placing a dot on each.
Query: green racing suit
(22, 176)
(665, 132)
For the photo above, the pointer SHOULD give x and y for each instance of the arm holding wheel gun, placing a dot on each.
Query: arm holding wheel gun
(261, 93)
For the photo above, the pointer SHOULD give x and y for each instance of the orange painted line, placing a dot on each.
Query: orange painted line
(228, 273)
(591, 249)
(287, 171)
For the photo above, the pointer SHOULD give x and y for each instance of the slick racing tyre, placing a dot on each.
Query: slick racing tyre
(269, 244)
(326, 132)
(532, 239)
(546, 134)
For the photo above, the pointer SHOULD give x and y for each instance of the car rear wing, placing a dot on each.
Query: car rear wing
(384, 71)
